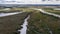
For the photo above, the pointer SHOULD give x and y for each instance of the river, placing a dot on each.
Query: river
(9, 14)
(24, 29)
(45, 12)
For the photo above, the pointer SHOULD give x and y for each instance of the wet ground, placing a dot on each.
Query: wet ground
(10, 24)
(40, 23)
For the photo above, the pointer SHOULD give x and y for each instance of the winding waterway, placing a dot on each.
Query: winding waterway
(8, 14)
(45, 12)
(24, 29)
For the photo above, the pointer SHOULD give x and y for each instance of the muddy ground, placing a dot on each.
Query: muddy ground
(10, 24)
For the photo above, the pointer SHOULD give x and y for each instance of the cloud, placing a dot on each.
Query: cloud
(28, 2)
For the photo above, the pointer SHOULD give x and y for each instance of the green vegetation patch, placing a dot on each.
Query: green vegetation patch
(52, 10)
(42, 24)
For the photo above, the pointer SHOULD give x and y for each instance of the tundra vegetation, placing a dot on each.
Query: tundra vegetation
(52, 10)
(11, 24)
(38, 22)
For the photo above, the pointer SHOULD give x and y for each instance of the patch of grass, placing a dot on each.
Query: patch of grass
(52, 10)
(17, 10)
(39, 24)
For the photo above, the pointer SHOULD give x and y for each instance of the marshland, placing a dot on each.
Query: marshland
(29, 20)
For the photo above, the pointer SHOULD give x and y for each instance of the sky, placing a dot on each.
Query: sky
(29, 2)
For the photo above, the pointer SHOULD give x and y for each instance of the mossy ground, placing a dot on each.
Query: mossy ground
(17, 10)
(39, 24)
(51, 10)
(11, 24)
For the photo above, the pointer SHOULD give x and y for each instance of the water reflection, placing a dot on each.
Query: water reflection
(8, 14)
(24, 29)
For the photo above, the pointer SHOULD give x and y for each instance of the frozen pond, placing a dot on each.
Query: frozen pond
(8, 14)
(24, 29)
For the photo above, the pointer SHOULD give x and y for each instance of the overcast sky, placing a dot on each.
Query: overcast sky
(28, 2)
